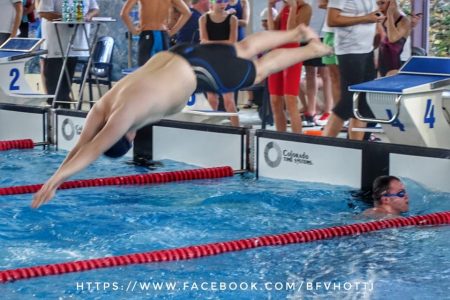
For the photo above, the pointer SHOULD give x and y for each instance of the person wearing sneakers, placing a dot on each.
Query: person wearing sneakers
(313, 68)
(354, 23)
(331, 63)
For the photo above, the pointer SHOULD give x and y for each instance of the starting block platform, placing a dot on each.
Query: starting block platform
(14, 54)
(411, 105)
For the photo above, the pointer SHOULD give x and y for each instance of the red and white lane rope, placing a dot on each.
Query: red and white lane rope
(16, 144)
(162, 177)
(223, 247)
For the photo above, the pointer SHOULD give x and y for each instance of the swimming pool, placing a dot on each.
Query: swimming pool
(408, 263)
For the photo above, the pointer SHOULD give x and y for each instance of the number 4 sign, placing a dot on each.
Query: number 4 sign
(429, 117)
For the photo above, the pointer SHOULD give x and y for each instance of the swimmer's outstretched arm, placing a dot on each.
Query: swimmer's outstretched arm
(95, 120)
(84, 154)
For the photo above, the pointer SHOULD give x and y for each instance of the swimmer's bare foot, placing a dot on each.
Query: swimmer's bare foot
(318, 48)
(306, 33)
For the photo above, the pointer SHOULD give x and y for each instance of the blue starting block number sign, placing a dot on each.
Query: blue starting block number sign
(429, 117)
(14, 73)
(397, 122)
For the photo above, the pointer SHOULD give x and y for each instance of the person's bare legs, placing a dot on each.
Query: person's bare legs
(263, 41)
(279, 59)
(230, 106)
(333, 126)
(335, 82)
(279, 117)
(213, 100)
(356, 135)
(294, 114)
(302, 97)
(311, 90)
(327, 89)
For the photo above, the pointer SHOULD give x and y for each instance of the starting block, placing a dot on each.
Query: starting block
(412, 106)
(14, 53)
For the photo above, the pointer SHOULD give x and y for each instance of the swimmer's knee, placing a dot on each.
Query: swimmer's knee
(243, 49)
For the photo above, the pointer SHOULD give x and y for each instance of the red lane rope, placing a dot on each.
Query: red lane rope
(162, 177)
(223, 247)
(16, 144)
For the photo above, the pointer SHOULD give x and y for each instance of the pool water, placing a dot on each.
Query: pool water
(406, 263)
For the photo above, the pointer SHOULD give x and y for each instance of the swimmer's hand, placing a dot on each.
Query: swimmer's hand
(44, 195)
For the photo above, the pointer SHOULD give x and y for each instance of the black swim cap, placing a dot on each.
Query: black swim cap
(119, 149)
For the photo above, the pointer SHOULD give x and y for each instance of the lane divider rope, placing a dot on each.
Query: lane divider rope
(162, 177)
(16, 144)
(222, 247)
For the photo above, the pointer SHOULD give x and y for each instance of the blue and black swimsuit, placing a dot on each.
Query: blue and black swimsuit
(217, 67)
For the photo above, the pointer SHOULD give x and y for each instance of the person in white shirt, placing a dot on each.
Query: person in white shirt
(10, 18)
(354, 23)
(50, 10)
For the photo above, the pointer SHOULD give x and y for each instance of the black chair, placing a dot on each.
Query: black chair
(101, 68)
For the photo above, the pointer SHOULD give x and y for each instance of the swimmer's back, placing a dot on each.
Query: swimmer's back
(154, 14)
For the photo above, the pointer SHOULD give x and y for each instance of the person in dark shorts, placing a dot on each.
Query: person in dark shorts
(164, 84)
(152, 29)
(354, 23)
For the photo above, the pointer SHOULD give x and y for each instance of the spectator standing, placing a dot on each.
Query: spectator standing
(264, 15)
(331, 61)
(152, 29)
(395, 29)
(241, 10)
(219, 26)
(190, 33)
(354, 23)
(50, 10)
(312, 68)
(27, 17)
(10, 18)
(284, 86)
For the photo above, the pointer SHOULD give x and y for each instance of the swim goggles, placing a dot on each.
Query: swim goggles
(400, 194)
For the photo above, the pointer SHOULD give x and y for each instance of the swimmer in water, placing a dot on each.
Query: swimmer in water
(151, 93)
(389, 197)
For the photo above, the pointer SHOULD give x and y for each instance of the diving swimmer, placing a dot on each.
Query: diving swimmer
(151, 93)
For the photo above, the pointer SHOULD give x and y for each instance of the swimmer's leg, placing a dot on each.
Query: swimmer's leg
(263, 41)
(280, 59)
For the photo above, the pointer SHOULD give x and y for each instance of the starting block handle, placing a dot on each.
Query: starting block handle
(375, 120)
